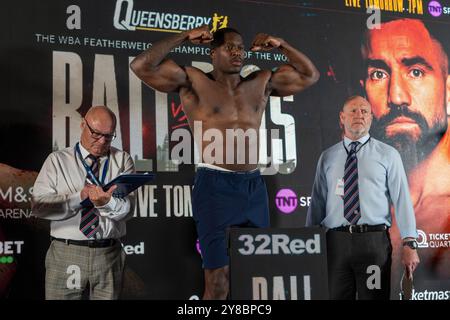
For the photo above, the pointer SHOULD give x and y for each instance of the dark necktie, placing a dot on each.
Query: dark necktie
(89, 218)
(351, 194)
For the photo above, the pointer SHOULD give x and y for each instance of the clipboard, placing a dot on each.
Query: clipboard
(406, 286)
(126, 183)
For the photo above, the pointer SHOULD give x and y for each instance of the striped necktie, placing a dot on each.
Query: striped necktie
(352, 210)
(89, 217)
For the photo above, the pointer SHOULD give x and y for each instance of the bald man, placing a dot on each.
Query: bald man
(356, 181)
(85, 257)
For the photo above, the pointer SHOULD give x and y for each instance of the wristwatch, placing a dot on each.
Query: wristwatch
(411, 243)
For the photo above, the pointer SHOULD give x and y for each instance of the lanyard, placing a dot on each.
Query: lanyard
(89, 170)
(356, 151)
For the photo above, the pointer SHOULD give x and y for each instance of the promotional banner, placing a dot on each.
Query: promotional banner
(59, 58)
(278, 264)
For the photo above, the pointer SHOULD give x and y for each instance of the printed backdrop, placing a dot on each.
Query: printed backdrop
(58, 58)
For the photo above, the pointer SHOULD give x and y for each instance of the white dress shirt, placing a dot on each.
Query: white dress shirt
(57, 194)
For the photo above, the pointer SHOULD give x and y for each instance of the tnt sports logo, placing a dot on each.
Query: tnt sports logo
(287, 201)
(127, 18)
(435, 8)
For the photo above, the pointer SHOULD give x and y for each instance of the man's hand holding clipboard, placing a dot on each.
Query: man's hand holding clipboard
(99, 197)
(119, 187)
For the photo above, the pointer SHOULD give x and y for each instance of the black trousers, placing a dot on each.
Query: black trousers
(359, 265)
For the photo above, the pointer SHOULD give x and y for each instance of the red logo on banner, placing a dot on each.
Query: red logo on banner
(179, 115)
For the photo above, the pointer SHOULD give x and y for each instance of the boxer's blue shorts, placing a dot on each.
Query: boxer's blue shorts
(222, 199)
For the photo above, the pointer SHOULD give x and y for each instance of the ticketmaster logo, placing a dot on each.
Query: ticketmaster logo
(430, 295)
(126, 18)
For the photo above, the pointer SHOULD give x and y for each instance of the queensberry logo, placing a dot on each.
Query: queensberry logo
(127, 18)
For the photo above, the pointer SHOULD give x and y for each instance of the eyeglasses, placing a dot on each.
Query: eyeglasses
(98, 135)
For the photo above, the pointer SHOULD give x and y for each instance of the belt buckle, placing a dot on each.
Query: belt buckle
(350, 228)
